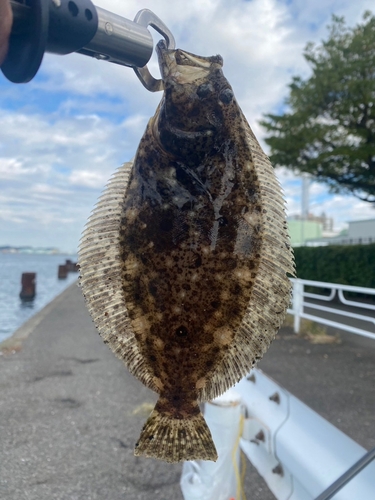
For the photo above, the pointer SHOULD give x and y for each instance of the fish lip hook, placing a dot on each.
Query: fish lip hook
(147, 18)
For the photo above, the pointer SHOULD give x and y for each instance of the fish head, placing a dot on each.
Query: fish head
(190, 117)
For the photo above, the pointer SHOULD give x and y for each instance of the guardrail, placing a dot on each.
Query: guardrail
(300, 455)
(298, 452)
(336, 291)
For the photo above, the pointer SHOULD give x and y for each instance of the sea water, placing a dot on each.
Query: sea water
(13, 311)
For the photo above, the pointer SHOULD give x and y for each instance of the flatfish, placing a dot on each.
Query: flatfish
(184, 260)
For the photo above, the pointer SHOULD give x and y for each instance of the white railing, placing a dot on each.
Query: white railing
(299, 304)
(298, 452)
(300, 455)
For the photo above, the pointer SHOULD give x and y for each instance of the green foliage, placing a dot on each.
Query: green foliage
(329, 130)
(348, 265)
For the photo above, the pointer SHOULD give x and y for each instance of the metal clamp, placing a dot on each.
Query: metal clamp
(65, 26)
(147, 18)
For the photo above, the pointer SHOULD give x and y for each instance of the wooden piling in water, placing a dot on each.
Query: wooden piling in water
(62, 272)
(28, 286)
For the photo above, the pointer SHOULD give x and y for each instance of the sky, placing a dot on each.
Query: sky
(63, 134)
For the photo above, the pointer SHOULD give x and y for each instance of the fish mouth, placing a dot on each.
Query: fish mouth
(183, 74)
(182, 66)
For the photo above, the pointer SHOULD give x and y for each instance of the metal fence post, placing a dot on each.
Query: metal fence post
(297, 303)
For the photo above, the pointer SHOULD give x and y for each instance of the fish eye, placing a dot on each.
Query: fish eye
(226, 96)
(204, 90)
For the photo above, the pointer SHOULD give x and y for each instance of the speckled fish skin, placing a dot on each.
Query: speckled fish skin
(184, 261)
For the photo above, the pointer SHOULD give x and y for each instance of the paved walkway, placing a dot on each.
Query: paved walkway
(70, 412)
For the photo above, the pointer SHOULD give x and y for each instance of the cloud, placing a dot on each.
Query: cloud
(87, 178)
(64, 134)
(347, 208)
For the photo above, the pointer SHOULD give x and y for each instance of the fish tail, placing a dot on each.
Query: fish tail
(176, 439)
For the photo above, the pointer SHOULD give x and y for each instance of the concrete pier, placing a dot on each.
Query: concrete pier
(70, 412)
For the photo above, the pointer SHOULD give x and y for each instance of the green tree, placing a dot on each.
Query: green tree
(329, 127)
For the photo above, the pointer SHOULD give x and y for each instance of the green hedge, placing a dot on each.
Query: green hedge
(348, 265)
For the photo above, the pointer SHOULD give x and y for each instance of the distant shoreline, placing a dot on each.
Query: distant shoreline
(33, 251)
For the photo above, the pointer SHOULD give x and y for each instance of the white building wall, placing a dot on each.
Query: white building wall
(361, 232)
(362, 229)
